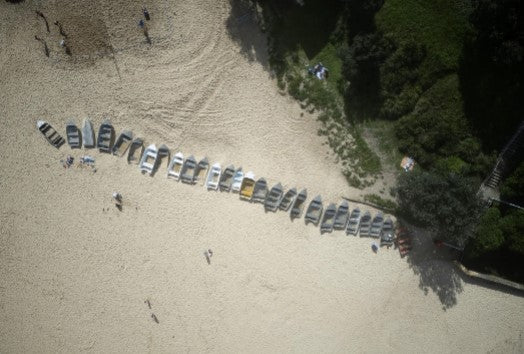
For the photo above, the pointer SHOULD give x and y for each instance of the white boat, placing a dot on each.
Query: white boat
(148, 160)
(213, 178)
(88, 134)
(175, 167)
(237, 180)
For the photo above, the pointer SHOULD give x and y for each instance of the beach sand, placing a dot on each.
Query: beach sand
(76, 273)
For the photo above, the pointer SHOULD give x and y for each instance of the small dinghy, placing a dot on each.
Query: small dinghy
(274, 197)
(88, 134)
(314, 211)
(73, 135)
(342, 216)
(106, 136)
(260, 191)
(387, 236)
(175, 167)
(376, 225)
(288, 199)
(50, 134)
(148, 160)
(248, 185)
(213, 178)
(365, 223)
(354, 222)
(188, 170)
(237, 180)
(135, 151)
(122, 143)
(298, 204)
(328, 219)
(227, 178)
(201, 171)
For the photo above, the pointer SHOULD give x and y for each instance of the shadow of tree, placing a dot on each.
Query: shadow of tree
(290, 27)
(243, 28)
(435, 271)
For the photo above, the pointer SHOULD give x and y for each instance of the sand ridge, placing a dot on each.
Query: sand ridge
(75, 272)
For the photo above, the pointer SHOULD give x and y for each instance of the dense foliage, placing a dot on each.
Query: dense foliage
(445, 204)
(450, 74)
(446, 75)
(499, 242)
(492, 70)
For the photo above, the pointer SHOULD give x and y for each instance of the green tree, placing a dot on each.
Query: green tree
(512, 226)
(488, 236)
(512, 189)
(445, 204)
(399, 76)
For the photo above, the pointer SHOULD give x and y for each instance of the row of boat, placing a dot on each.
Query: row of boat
(150, 159)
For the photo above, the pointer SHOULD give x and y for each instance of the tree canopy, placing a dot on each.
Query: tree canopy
(445, 204)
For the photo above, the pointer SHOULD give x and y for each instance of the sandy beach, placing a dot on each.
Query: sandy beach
(76, 273)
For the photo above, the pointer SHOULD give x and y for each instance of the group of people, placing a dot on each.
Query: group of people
(319, 71)
(63, 42)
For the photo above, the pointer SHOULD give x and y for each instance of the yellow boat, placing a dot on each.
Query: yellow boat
(248, 186)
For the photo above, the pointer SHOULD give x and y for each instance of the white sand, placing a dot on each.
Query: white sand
(74, 277)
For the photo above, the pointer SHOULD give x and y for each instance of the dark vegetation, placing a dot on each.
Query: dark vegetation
(447, 77)
(444, 204)
(499, 243)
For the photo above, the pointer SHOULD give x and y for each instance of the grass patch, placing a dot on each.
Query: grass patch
(440, 25)
(384, 133)
(380, 202)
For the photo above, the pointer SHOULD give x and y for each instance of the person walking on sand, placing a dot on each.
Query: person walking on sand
(117, 197)
(64, 45)
(146, 13)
